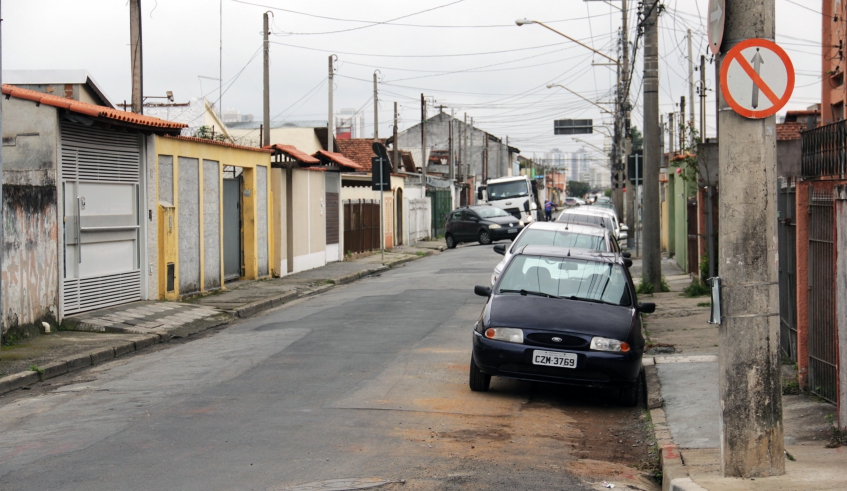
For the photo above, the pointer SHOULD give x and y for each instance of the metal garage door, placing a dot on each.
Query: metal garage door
(100, 189)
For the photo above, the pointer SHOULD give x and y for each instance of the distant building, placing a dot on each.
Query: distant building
(349, 123)
(232, 115)
(70, 84)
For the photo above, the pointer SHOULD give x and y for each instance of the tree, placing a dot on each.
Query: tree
(637, 138)
(578, 189)
(208, 133)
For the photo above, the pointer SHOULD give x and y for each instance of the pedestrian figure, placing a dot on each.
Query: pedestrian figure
(548, 210)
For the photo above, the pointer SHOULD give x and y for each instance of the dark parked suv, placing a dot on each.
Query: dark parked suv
(482, 223)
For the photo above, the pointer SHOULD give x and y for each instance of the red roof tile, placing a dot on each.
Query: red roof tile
(359, 150)
(294, 153)
(788, 131)
(90, 109)
(219, 143)
(340, 160)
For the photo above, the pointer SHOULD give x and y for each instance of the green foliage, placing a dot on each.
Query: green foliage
(704, 268)
(645, 288)
(696, 289)
(208, 133)
(704, 304)
(608, 193)
(34, 368)
(578, 189)
(637, 138)
(837, 436)
(790, 387)
(665, 287)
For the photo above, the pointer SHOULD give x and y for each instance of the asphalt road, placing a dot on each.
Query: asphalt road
(366, 381)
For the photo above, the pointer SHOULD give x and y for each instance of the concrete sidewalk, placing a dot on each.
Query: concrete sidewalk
(95, 337)
(682, 382)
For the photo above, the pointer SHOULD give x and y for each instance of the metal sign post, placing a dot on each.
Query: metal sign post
(381, 181)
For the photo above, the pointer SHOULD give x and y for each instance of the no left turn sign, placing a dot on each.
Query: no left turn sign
(757, 78)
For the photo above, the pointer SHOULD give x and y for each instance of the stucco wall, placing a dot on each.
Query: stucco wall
(262, 219)
(151, 216)
(303, 138)
(188, 216)
(211, 225)
(31, 260)
(308, 220)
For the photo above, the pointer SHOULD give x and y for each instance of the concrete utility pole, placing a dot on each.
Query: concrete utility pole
(450, 145)
(691, 84)
(466, 153)
(396, 149)
(671, 135)
(423, 142)
(376, 111)
(652, 261)
(2, 210)
(631, 186)
(471, 170)
(330, 121)
(752, 442)
(710, 222)
(266, 83)
(682, 127)
(135, 57)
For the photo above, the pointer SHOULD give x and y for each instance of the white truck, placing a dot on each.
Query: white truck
(518, 196)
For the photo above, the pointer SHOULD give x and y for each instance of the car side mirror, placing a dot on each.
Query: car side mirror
(526, 205)
(626, 254)
(500, 249)
(479, 194)
(624, 228)
(482, 291)
(645, 308)
(627, 262)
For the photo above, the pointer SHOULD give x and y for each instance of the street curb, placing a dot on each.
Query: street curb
(18, 380)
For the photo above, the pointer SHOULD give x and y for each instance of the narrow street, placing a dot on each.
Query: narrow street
(366, 381)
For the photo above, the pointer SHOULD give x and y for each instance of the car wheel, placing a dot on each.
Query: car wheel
(484, 237)
(628, 396)
(479, 381)
(451, 243)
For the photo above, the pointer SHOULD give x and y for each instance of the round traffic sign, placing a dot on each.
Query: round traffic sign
(717, 17)
(757, 78)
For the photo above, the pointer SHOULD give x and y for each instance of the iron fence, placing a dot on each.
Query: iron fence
(823, 375)
(824, 151)
(787, 232)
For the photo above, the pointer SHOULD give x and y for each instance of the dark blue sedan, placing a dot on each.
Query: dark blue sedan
(565, 316)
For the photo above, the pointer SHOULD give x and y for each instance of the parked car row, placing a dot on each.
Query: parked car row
(561, 308)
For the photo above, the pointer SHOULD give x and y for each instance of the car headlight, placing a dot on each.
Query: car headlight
(494, 226)
(520, 223)
(528, 218)
(507, 334)
(606, 344)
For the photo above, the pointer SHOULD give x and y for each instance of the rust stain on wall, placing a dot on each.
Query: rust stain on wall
(30, 255)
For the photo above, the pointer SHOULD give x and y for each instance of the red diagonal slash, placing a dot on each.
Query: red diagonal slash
(748, 69)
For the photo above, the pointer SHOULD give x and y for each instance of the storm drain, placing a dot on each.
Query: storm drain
(340, 484)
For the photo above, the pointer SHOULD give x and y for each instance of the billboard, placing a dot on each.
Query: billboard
(573, 126)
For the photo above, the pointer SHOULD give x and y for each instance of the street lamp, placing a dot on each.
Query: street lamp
(550, 86)
(521, 22)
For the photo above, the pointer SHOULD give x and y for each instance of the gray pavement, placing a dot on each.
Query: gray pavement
(367, 380)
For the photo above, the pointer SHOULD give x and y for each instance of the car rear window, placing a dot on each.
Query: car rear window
(566, 277)
(561, 238)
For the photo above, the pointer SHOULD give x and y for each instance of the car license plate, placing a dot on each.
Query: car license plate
(554, 359)
(513, 230)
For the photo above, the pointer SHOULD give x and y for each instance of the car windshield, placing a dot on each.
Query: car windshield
(507, 190)
(560, 238)
(565, 277)
(491, 212)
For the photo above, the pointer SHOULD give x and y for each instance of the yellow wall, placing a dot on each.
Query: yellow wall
(248, 160)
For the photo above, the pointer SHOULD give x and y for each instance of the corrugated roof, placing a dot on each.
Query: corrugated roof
(359, 150)
(294, 153)
(220, 143)
(339, 159)
(91, 110)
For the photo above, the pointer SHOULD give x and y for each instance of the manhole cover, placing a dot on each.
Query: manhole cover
(339, 484)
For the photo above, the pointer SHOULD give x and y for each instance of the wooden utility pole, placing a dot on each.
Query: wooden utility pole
(682, 127)
(266, 83)
(750, 384)
(396, 150)
(136, 56)
(652, 260)
(691, 84)
(330, 121)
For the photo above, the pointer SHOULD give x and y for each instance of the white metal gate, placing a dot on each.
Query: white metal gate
(100, 189)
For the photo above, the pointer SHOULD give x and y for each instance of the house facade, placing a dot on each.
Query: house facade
(74, 187)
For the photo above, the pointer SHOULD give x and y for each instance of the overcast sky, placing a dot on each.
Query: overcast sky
(466, 55)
